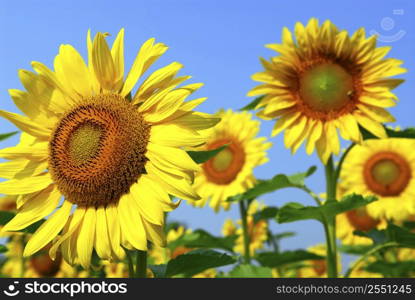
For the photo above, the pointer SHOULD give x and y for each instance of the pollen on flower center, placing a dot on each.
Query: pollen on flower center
(326, 87)
(97, 150)
(225, 166)
(387, 173)
(84, 142)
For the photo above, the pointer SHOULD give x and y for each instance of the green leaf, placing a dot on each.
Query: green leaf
(267, 213)
(293, 211)
(250, 271)
(5, 136)
(196, 261)
(279, 181)
(395, 269)
(202, 239)
(393, 233)
(273, 259)
(355, 249)
(253, 104)
(284, 235)
(159, 271)
(408, 133)
(201, 157)
(3, 249)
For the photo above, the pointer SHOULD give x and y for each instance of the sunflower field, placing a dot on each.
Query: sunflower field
(111, 141)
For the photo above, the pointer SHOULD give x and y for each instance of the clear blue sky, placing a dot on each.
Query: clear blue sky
(220, 43)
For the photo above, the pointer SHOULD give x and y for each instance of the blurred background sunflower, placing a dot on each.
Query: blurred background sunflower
(230, 172)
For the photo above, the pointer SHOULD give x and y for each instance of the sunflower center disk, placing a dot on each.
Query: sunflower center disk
(225, 166)
(326, 87)
(387, 173)
(97, 150)
(360, 220)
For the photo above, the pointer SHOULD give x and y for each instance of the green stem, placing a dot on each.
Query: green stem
(330, 223)
(141, 266)
(367, 254)
(243, 212)
(130, 264)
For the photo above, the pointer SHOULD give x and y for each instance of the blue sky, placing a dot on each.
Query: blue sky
(219, 43)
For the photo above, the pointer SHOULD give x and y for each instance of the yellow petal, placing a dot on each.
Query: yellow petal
(175, 136)
(75, 222)
(147, 55)
(94, 80)
(38, 151)
(19, 169)
(147, 201)
(25, 186)
(173, 185)
(376, 113)
(175, 156)
(323, 148)
(75, 70)
(36, 206)
(284, 122)
(26, 125)
(374, 127)
(102, 240)
(155, 234)
(293, 132)
(314, 136)
(131, 225)
(102, 61)
(85, 241)
(48, 230)
(117, 52)
(114, 232)
(332, 137)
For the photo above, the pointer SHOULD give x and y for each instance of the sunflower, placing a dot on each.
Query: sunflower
(316, 268)
(115, 156)
(40, 265)
(325, 80)
(355, 219)
(230, 172)
(257, 231)
(384, 168)
(164, 255)
(120, 270)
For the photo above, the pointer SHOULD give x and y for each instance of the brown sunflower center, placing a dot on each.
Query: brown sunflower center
(360, 220)
(319, 266)
(44, 266)
(97, 150)
(387, 173)
(225, 166)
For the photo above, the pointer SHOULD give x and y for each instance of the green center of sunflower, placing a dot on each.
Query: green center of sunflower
(326, 87)
(84, 142)
(222, 160)
(385, 172)
(97, 150)
(226, 165)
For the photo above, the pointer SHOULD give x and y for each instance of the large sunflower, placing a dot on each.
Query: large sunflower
(385, 168)
(230, 172)
(113, 154)
(325, 80)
